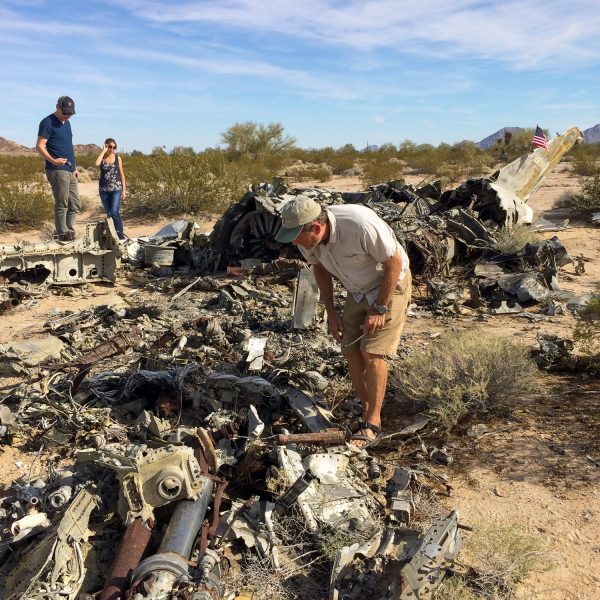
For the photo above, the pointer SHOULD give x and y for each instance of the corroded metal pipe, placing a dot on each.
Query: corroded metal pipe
(328, 438)
(133, 547)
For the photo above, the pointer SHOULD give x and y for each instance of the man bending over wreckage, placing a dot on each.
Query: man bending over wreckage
(352, 243)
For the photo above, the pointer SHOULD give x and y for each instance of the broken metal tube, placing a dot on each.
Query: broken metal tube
(134, 545)
(29, 522)
(159, 572)
(186, 522)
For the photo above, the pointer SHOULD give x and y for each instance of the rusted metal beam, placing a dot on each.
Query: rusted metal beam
(134, 546)
(328, 438)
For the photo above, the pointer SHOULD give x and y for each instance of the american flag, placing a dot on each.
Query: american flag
(539, 138)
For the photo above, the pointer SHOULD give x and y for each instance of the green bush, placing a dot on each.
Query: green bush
(21, 168)
(25, 197)
(588, 198)
(27, 202)
(513, 239)
(584, 159)
(587, 329)
(379, 168)
(182, 184)
(466, 374)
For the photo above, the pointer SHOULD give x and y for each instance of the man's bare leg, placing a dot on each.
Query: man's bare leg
(368, 373)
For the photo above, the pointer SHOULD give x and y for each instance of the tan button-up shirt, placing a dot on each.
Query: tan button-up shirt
(359, 242)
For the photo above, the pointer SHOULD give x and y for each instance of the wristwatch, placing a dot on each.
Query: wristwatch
(380, 309)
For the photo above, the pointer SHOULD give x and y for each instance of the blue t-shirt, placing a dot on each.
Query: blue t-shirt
(60, 142)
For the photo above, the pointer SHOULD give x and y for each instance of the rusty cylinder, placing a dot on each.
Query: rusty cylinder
(134, 545)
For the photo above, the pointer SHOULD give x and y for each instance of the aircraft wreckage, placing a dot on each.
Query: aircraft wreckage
(193, 439)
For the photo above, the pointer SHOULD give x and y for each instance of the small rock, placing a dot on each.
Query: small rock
(476, 430)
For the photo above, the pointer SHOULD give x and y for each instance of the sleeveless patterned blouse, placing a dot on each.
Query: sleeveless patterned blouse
(109, 176)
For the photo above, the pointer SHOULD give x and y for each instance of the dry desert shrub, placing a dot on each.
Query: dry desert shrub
(513, 239)
(309, 171)
(565, 200)
(466, 374)
(585, 166)
(500, 556)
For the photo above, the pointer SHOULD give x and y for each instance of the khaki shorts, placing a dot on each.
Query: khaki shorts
(387, 339)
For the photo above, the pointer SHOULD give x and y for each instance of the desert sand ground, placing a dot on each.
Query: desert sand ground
(538, 474)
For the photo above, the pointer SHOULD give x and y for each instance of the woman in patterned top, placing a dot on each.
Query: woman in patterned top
(112, 183)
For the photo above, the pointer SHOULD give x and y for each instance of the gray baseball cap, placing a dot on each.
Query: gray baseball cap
(66, 105)
(294, 215)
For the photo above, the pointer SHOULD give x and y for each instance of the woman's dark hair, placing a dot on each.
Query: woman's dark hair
(110, 140)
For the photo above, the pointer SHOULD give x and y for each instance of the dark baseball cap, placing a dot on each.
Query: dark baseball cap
(66, 105)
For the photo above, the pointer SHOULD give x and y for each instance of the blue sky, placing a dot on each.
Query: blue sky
(332, 72)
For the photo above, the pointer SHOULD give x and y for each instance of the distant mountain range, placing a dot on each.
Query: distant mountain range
(10, 147)
(591, 136)
(490, 140)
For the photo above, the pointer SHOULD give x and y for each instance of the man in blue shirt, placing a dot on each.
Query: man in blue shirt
(55, 144)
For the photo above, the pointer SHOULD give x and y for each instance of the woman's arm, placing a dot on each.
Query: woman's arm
(122, 176)
(101, 155)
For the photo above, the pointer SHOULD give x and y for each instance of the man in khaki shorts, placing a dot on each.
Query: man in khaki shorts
(353, 244)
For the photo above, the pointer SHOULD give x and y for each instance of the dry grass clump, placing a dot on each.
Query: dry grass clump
(332, 539)
(501, 556)
(513, 239)
(302, 571)
(465, 375)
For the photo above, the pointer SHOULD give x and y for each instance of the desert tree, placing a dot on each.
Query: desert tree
(254, 139)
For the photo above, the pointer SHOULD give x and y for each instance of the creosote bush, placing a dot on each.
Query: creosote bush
(381, 168)
(466, 374)
(588, 198)
(25, 203)
(25, 196)
(587, 329)
(185, 184)
(513, 239)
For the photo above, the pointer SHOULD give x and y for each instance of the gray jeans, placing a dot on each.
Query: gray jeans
(66, 199)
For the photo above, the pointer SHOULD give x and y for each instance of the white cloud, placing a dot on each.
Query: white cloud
(523, 33)
(246, 68)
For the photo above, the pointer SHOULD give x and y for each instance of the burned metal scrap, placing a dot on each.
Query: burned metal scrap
(92, 257)
(454, 230)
